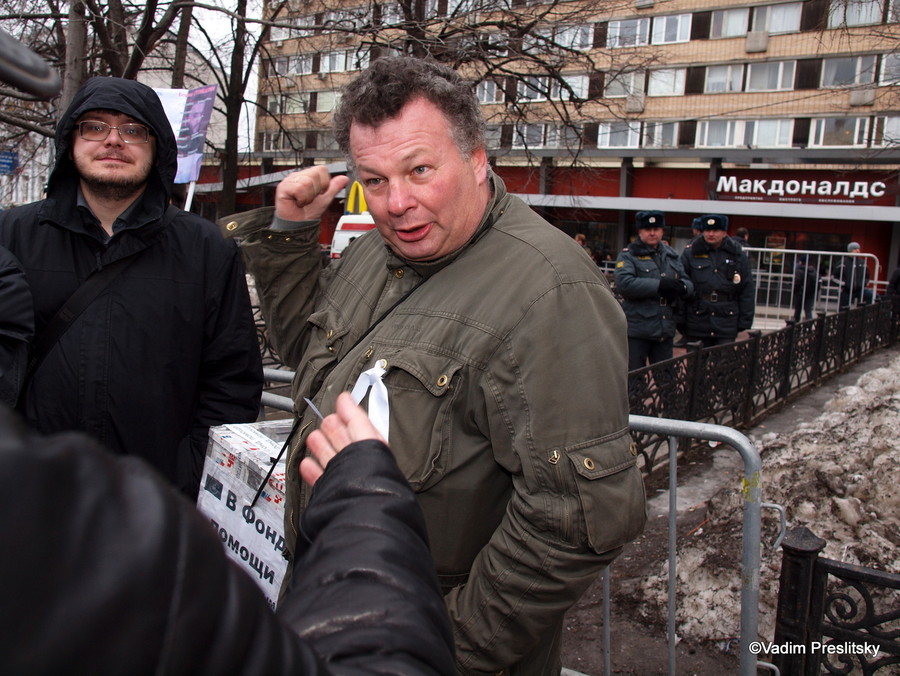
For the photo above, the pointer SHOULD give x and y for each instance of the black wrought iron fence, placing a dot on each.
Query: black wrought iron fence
(737, 384)
(833, 617)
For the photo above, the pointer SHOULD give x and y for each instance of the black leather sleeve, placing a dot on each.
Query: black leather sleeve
(108, 571)
(364, 586)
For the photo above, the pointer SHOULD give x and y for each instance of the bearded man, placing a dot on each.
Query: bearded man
(163, 345)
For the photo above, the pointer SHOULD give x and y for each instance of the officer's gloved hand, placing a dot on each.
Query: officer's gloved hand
(671, 288)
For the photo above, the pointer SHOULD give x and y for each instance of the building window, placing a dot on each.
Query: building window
(839, 131)
(660, 135)
(273, 140)
(729, 23)
(532, 88)
(666, 82)
(720, 133)
(493, 135)
(528, 136)
(343, 20)
(333, 62)
(669, 29)
(894, 12)
(724, 78)
(325, 140)
(775, 19)
(887, 131)
(299, 64)
(628, 33)
(391, 13)
(488, 91)
(848, 71)
(770, 77)
(278, 67)
(567, 137)
(579, 36)
(326, 101)
(292, 27)
(854, 13)
(624, 84)
(461, 7)
(619, 134)
(768, 133)
(890, 69)
(569, 87)
(288, 104)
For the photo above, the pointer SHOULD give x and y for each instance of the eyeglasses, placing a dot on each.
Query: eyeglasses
(131, 132)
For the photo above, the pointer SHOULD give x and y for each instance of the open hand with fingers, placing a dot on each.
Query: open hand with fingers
(338, 430)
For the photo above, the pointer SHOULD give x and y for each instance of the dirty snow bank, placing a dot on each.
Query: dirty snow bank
(838, 475)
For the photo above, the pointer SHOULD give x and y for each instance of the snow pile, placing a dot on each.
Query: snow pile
(839, 476)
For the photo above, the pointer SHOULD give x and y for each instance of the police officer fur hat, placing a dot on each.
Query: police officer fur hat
(649, 219)
(713, 222)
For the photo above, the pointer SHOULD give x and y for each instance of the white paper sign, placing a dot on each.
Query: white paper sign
(237, 460)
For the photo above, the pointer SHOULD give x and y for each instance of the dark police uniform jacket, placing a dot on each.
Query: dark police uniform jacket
(638, 270)
(724, 297)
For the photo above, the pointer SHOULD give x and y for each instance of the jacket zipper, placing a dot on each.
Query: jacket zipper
(554, 459)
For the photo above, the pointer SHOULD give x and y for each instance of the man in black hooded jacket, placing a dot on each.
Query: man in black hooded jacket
(168, 348)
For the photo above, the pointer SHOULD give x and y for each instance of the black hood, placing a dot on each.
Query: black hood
(124, 96)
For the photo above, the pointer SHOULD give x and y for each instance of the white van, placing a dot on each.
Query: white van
(349, 227)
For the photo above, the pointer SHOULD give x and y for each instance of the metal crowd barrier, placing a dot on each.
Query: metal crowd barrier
(777, 294)
(751, 491)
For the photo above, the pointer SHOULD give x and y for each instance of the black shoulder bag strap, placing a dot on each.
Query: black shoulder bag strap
(83, 296)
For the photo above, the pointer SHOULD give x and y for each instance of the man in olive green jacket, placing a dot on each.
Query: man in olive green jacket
(488, 349)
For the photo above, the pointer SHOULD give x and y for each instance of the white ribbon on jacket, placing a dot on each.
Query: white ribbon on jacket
(379, 407)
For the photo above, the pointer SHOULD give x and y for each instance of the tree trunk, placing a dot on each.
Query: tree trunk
(76, 46)
(234, 99)
(181, 44)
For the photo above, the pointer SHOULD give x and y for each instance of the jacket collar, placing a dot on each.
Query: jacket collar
(638, 248)
(699, 246)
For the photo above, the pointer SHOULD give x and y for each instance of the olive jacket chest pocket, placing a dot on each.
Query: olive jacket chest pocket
(422, 388)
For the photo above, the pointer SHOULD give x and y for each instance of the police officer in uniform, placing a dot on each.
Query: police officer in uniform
(724, 297)
(650, 278)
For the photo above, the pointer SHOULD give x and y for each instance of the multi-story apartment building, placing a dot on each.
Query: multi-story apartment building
(784, 116)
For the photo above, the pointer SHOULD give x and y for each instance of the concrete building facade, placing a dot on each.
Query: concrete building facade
(784, 116)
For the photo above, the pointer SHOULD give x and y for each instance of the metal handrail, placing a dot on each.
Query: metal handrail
(751, 491)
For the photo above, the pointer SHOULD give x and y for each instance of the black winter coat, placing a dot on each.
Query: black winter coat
(639, 269)
(111, 572)
(16, 326)
(165, 351)
(724, 299)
